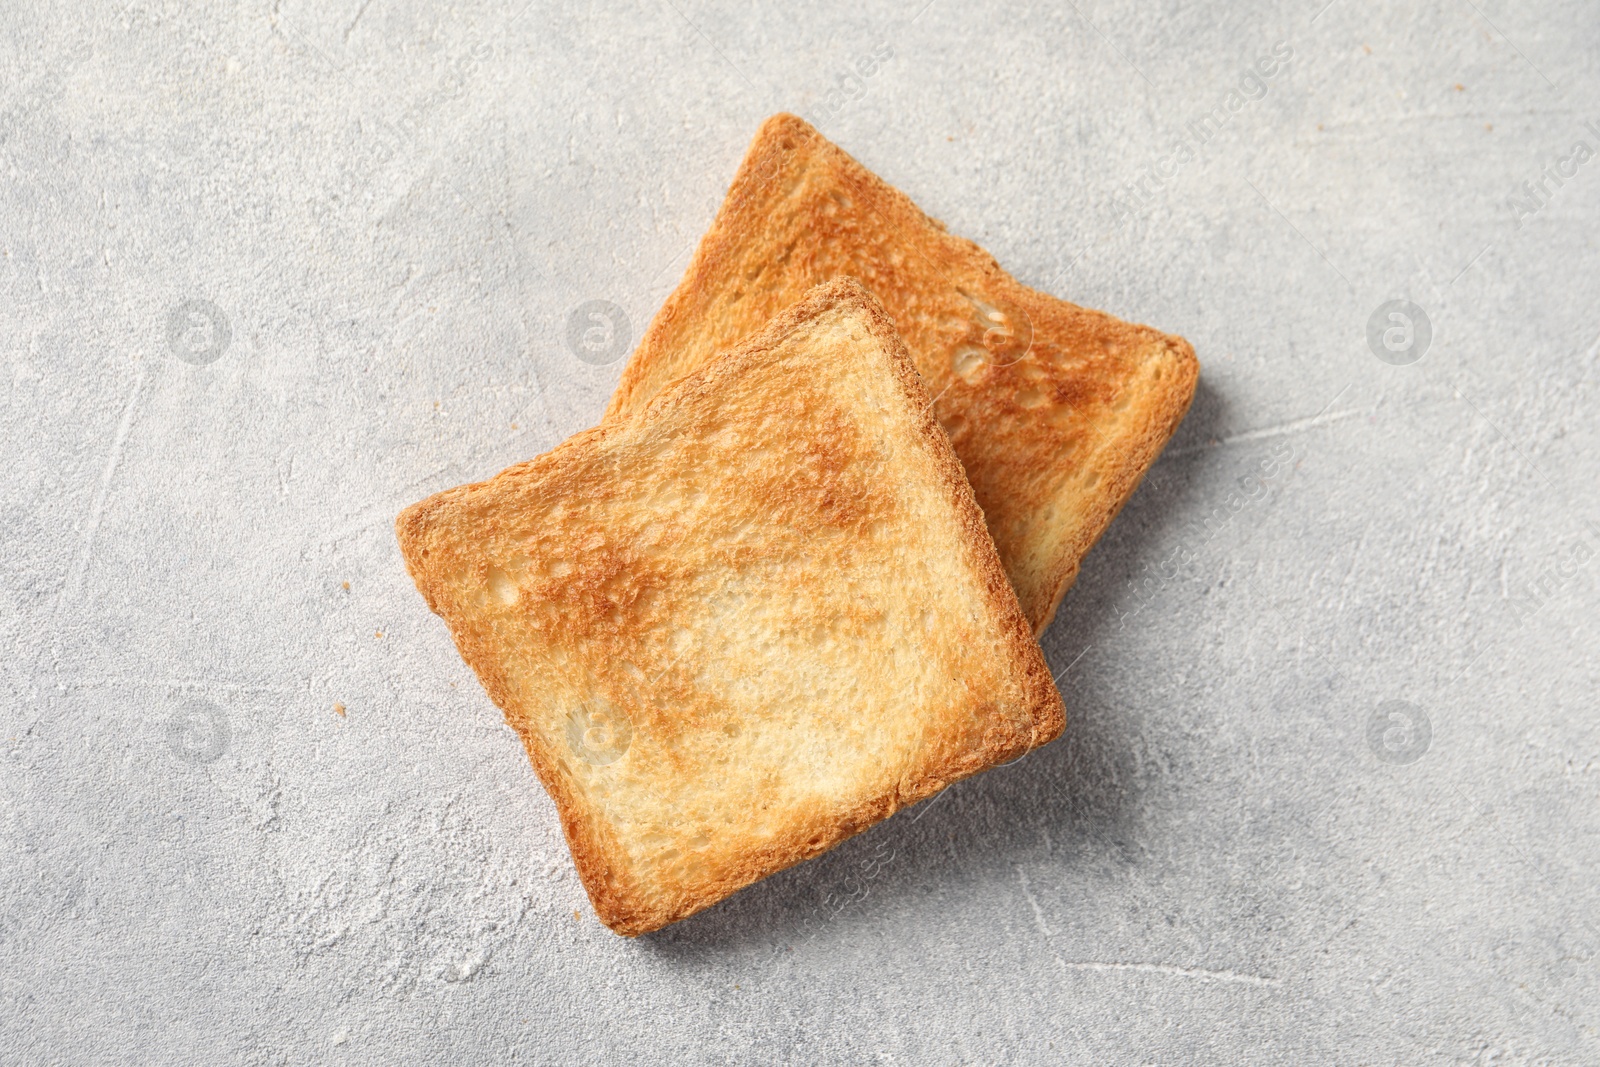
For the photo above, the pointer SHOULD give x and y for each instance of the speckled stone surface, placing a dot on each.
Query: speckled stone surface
(1330, 788)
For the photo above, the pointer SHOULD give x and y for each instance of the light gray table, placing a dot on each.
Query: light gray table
(1329, 788)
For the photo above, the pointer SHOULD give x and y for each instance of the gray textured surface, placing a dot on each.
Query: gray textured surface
(394, 206)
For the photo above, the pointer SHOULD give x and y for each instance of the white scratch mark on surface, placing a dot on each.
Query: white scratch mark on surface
(1593, 349)
(664, 276)
(1038, 912)
(362, 10)
(1280, 430)
(1057, 678)
(1198, 973)
(927, 805)
(385, 513)
(1349, 575)
(134, 682)
(1468, 267)
(81, 564)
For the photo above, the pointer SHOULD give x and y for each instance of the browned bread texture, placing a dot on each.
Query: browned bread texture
(1055, 411)
(745, 623)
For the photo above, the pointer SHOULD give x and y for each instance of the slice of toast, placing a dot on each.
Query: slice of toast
(1056, 411)
(746, 623)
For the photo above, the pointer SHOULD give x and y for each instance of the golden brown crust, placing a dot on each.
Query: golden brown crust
(792, 517)
(1055, 411)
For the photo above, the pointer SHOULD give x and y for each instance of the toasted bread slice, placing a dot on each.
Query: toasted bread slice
(1056, 411)
(752, 620)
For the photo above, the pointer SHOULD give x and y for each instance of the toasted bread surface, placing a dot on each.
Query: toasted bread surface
(755, 618)
(1055, 411)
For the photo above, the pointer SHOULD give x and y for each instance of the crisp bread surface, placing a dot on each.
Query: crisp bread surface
(1055, 411)
(750, 620)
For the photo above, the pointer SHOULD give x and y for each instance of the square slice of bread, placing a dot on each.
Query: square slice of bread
(1056, 411)
(746, 623)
